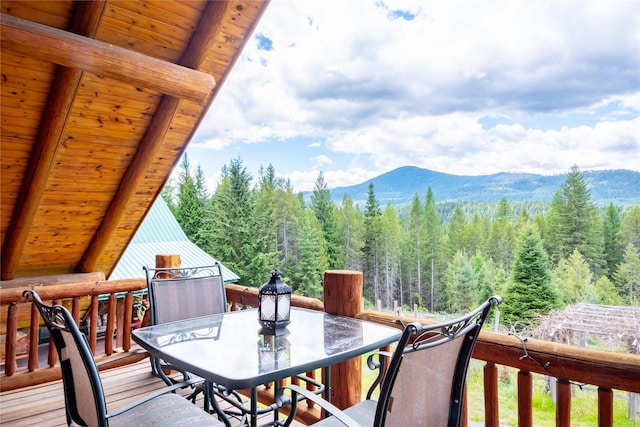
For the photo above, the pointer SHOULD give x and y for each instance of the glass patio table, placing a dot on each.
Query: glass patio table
(227, 349)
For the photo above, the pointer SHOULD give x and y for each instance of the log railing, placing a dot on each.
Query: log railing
(78, 296)
(610, 372)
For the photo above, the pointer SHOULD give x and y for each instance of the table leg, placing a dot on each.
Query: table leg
(326, 372)
(254, 407)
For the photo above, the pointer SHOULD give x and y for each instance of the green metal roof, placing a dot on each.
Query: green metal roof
(160, 233)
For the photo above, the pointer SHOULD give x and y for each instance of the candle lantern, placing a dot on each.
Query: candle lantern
(274, 310)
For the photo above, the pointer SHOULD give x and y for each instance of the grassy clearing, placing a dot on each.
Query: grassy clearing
(584, 402)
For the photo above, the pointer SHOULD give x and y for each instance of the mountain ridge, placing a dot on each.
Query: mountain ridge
(400, 186)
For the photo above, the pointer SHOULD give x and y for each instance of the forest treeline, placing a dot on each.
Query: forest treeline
(437, 257)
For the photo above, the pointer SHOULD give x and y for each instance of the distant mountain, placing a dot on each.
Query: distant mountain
(400, 185)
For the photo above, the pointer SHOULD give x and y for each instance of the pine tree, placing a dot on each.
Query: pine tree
(325, 211)
(461, 284)
(627, 276)
(189, 211)
(234, 226)
(371, 249)
(351, 226)
(391, 242)
(577, 225)
(169, 195)
(500, 241)
(433, 247)
(606, 292)
(578, 279)
(414, 250)
(313, 258)
(529, 292)
(611, 228)
(456, 231)
(630, 229)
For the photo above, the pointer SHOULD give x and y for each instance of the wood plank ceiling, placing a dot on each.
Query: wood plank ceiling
(98, 102)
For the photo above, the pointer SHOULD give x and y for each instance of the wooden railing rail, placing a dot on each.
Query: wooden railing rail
(74, 296)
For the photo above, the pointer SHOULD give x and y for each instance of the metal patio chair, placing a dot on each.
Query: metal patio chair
(185, 293)
(424, 384)
(84, 397)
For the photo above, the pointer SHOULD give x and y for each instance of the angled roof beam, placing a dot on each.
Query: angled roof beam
(194, 56)
(74, 51)
(64, 88)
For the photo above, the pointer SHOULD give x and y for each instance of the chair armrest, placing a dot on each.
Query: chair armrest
(327, 406)
(381, 367)
(160, 392)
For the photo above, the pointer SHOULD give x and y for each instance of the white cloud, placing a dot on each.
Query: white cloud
(374, 93)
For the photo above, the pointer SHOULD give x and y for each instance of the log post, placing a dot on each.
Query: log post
(10, 340)
(34, 336)
(563, 403)
(167, 261)
(525, 399)
(491, 416)
(605, 407)
(343, 296)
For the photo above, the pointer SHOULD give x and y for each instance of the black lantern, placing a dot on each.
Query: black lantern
(274, 305)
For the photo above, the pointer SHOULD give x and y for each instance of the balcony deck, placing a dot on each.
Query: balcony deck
(613, 374)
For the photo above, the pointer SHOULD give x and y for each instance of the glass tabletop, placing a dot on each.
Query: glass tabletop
(229, 350)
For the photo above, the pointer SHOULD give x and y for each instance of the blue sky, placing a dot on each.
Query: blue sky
(356, 88)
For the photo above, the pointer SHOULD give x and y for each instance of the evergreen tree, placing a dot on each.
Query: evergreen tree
(391, 242)
(325, 211)
(414, 250)
(456, 231)
(606, 292)
(461, 284)
(503, 211)
(627, 277)
(313, 258)
(189, 212)
(611, 228)
(499, 247)
(630, 229)
(351, 226)
(529, 292)
(433, 251)
(234, 226)
(577, 225)
(169, 195)
(578, 279)
(371, 249)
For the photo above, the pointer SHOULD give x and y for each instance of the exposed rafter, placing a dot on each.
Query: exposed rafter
(75, 51)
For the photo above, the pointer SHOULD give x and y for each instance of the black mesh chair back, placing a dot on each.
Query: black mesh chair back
(424, 383)
(185, 293)
(426, 377)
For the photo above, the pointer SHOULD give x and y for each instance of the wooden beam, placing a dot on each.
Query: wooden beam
(195, 54)
(63, 91)
(74, 51)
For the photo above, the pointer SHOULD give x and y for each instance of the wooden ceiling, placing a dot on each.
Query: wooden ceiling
(99, 100)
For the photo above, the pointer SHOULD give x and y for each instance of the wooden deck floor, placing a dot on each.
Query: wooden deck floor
(43, 405)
